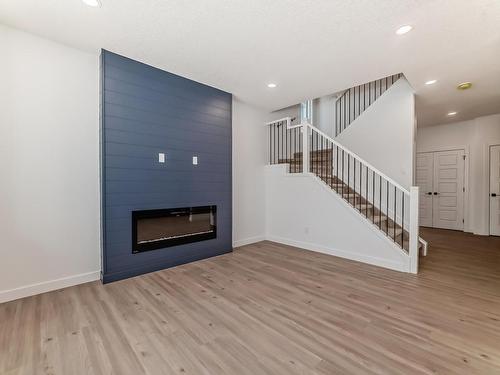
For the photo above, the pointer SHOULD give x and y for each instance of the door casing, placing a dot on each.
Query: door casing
(490, 229)
(466, 198)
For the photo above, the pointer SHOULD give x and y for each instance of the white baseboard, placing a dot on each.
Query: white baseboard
(380, 262)
(47, 286)
(248, 241)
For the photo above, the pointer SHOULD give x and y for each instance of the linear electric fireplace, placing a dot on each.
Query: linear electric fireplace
(157, 229)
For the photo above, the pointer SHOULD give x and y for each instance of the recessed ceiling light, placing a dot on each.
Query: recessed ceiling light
(431, 82)
(464, 85)
(452, 113)
(92, 3)
(271, 85)
(403, 29)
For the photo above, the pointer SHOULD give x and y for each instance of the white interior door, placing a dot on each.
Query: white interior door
(424, 177)
(448, 193)
(495, 190)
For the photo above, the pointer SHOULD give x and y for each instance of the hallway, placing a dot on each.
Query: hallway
(462, 261)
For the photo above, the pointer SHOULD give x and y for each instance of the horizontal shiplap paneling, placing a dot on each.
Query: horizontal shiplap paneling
(146, 111)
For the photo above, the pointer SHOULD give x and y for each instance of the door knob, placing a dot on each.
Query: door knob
(429, 193)
(436, 193)
(493, 194)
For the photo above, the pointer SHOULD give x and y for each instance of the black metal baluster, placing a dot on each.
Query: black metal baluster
(349, 110)
(295, 150)
(387, 209)
(301, 160)
(402, 218)
(354, 175)
(373, 197)
(359, 100)
(321, 158)
(278, 135)
(366, 193)
(301, 164)
(345, 110)
(369, 93)
(278, 156)
(311, 151)
(343, 178)
(380, 202)
(364, 97)
(336, 118)
(354, 105)
(337, 169)
(316, 152)
(394, 215)
(283, 145)
(320, 146)
(309, 142)
(360, 184)
(348, 176)
(270, 148)
(274, 143)
(330, 163)
(326, 158)
(286, 141)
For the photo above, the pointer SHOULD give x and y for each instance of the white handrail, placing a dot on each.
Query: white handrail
(287, 119)
(394, 183)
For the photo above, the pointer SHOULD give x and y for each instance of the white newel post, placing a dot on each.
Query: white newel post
(305, 149)
(414, 235)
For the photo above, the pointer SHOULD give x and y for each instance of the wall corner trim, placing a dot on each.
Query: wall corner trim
(248, 241)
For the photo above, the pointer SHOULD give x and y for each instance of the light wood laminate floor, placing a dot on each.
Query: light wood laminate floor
(271, 309)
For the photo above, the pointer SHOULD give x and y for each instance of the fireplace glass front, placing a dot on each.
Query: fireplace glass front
(156, 229)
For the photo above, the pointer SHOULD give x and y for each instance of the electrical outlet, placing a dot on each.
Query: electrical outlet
(161, 157)
(195, 160)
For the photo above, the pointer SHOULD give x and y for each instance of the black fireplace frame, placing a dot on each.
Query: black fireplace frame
(161, 244)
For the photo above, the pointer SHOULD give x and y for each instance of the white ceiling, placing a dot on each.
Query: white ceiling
(309, 48)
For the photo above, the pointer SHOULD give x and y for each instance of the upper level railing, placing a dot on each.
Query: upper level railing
(354, 101)
(376, 196)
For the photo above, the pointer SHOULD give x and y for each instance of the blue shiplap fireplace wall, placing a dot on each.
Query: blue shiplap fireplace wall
(146, 111)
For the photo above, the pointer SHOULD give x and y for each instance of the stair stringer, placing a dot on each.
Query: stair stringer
(303, 211)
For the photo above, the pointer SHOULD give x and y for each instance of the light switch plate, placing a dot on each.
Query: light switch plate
(161, 157)
(195, 160)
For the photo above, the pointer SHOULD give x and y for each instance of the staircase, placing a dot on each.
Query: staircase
(321, 162)
(382, 202)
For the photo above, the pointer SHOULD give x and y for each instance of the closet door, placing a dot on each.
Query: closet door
(448, 192)
(424, 177)
(495, 190)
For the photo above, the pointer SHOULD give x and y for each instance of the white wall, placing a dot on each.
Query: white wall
(303, 211)
(249, 161)
(324, 114)
(49, 167)
(49, 147)
(384, 133)
(475, 136)
(292, 111)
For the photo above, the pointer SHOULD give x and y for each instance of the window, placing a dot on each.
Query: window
(306, 111)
